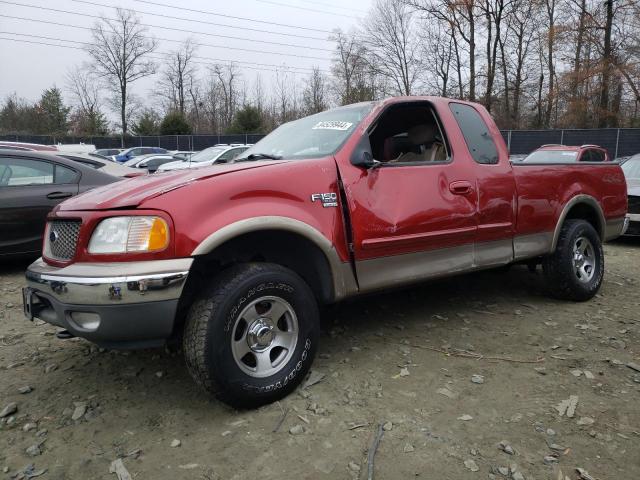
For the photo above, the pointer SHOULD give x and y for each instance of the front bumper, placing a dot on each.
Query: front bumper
(125, 305)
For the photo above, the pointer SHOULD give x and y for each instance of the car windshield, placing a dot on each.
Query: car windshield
(631, 167)
(552, 156)
(207, 154)
(311, 137)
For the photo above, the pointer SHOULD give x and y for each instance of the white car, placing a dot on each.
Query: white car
(208, 156)
(99, 162)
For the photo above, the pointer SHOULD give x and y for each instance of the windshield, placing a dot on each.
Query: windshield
(552, 156)
(207, 154)
(631, 167)
(311, 137)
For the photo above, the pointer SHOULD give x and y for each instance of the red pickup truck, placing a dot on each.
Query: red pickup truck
(234, 260)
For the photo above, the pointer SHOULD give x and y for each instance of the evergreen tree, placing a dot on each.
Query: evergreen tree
(147, 124)
(54, 115)
(174, 123)
(247, 120)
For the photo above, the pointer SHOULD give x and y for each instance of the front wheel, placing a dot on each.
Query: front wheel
(574, 271)
(251, 336)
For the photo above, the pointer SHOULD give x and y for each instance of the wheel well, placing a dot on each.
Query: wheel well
(285, 248)
(584, 211)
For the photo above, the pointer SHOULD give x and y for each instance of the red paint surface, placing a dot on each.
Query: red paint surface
(392, 210)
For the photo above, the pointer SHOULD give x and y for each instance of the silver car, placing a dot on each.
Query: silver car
(208, 156)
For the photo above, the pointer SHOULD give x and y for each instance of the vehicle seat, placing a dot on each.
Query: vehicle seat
(427, 146)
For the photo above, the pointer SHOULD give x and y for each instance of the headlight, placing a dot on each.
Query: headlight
(129, 234)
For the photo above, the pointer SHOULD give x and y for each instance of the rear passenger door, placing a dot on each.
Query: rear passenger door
(29, 189)
(494, 183)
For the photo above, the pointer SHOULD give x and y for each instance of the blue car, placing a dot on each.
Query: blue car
(130, 153)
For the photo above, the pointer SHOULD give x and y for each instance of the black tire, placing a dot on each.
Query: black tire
(210, 325)
(560, 272)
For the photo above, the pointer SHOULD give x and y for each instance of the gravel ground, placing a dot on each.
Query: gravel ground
(485, 410)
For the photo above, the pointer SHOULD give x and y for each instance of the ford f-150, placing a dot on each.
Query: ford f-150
(234, 260)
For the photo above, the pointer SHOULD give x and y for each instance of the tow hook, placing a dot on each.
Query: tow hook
(64, 335)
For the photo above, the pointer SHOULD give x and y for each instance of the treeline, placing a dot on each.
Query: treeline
(532, 63)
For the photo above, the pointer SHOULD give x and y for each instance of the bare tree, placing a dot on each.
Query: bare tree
(177, 77)
(353, 79)
(120, 52)
(84, 88)
(461, 17)
(393, 45)
(314, 94)
(550, 8)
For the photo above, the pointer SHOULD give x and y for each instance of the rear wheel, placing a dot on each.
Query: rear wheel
(251, 336)
(576, 269)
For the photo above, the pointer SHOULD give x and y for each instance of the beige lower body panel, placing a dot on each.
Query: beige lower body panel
(613, 228)
(399, 270)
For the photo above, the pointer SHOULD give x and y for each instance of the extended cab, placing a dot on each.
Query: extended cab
(235, 259)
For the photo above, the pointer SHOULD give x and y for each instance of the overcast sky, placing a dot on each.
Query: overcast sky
(28, 68)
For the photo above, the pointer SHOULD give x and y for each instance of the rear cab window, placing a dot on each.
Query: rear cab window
(593, 155)
(476, 134)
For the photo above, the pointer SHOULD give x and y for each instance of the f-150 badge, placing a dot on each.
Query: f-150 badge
(328, 199)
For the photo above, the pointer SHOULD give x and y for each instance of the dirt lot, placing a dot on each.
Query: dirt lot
(89, 407)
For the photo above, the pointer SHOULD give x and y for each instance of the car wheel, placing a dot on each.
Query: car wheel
(576, 269)
(250, 338)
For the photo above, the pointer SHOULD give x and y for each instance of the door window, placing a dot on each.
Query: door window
(19, 172)
(476, 134)
(65, 175)
(408, 134)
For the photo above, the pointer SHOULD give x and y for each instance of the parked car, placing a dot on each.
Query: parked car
(109, 152)
(631, 169)
(182, 154)
(27, 147)
(76, 147)
(567, 153)
(130, 153)
(31, 184)
(517, 157)
(235, 259)
(101, 163)
(206, 157)
(150, 162)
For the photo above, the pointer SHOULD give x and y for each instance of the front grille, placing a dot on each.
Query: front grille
(634, 204)
(62, 237)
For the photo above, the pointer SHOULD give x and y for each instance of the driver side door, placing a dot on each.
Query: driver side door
(410, 221)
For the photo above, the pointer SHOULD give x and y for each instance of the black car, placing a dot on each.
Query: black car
(31, 184)
(631, 169)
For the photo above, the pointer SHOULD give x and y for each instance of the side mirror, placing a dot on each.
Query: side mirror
(364, 160)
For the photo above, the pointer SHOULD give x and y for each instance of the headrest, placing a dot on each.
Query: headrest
(421, 134)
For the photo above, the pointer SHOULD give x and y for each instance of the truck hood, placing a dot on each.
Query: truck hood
(633, 187)
(133, 192)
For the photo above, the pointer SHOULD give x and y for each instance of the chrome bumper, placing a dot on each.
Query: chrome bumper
(110, 283)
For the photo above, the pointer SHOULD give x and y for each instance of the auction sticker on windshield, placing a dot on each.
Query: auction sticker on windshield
(333, 125)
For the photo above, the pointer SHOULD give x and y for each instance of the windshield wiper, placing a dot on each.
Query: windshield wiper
(258, 156)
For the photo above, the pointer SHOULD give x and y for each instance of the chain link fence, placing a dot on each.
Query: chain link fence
(619, 142)
(170, 142)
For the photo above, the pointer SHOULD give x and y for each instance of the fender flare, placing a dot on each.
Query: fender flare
(344, 283)
(577, 200)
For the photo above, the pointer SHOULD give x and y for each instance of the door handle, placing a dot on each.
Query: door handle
(59, 195)
(461, 187)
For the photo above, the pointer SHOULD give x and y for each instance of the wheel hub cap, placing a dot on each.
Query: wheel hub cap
(584, 259)
(264, 336)
(260, 335)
